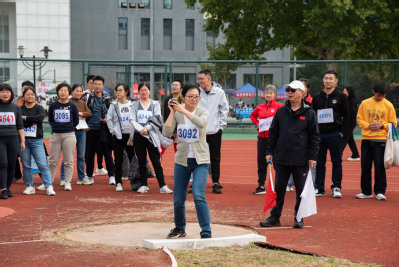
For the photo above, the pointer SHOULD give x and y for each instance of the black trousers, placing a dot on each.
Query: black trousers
(100, 155)
(92, 137)
(9, 147)
(215, 143)
(141, 146)
(119, 147)
(351, 142)
(282, 175)
(373, 151)
(262, 164)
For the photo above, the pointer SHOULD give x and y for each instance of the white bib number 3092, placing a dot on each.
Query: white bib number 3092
(188, 133)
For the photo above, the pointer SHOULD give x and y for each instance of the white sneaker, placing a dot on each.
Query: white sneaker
(143, 189)
(68, 186)
(353, 159)
(165, 190)
(112, 180)
(125, 178)
(101, 171)
(119, 187)
(289, 188)
(50, 191)
(381, 197)
(337, 192)
(85, 181)
(62, 183)
(361, 195)
(29, 190)
(91, 180)
(41, 188)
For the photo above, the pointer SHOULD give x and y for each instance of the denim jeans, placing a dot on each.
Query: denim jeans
(330, 142)
(181, 178)
(80, 155)
(34, 148)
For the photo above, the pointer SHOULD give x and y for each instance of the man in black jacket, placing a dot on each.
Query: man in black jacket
(293, 146)
(331, 106)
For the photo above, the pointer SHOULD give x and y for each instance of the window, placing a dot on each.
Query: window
(145, 34)
(167, 34)
(122, 3)
(120, 77)
(141, 77)
(186, 77)
(210, 38)
(190, 34)
(4, 33)
(146, 3)
(122, 33)
(167, 4)
(4, 71)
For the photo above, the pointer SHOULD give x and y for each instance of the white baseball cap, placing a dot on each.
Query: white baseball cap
(295, 85)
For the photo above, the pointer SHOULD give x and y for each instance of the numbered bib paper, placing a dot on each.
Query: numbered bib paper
(325, 115)
(62, 115)
(143, 116)
(7, 118)
(264, 124)
(188, 133)
(30, 131)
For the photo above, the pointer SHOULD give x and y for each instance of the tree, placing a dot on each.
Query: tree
(328, 30)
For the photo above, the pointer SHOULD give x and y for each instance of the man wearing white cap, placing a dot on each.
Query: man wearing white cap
(293, 146)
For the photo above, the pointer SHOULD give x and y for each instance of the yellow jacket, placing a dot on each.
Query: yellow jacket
(369, 110)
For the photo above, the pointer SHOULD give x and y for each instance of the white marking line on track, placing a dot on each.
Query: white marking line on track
(21, 242)
(275, 228)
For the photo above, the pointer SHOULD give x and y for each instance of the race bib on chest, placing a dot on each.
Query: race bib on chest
(62, 115)
(125, 119)
(143, 116)
(188, 133)
(264, 124)
(325, 115)
(30, 131)
(7, 118)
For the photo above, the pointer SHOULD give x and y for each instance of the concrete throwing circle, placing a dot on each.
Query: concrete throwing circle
(132, 234)
(4, 212)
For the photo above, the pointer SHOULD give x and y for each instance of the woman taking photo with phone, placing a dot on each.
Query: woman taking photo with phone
(11, 127)
(32, 117)
(192, 156)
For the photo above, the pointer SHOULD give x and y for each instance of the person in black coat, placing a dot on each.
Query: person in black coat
(348, 139)
(293, 145)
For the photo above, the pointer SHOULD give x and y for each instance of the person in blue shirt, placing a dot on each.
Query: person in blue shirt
(63, 116)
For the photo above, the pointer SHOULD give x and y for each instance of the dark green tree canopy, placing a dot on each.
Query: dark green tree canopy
(329, 29)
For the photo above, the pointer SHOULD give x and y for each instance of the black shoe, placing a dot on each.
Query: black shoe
(206, 236)
(259, 191)
(298, 224)
(320, 193)
(190, 191)
(176, 232)
(9, 193)
(4, 194)
(135, 185)
(220, 186)
(216, 189)
(271, 221)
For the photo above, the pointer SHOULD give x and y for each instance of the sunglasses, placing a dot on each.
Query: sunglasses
(292, 90)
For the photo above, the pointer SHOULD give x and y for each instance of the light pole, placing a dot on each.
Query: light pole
(34, 65)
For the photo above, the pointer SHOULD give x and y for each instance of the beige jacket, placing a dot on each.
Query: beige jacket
(200, 148)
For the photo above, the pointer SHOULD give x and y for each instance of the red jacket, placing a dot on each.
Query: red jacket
(263, 111)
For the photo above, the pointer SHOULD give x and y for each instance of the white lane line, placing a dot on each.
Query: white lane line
(21, 242)
(275, 228)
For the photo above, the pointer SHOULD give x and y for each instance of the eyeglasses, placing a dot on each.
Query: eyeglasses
(289, 89)
(191, 97)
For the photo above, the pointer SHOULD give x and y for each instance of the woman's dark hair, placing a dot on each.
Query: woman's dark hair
(351, 92)
(144, 84)
(306, 82)
(77, 85)
(187, 87)
(7, 87)
(125, 87)
(28, 83)
(29, 88)
(63, 85)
